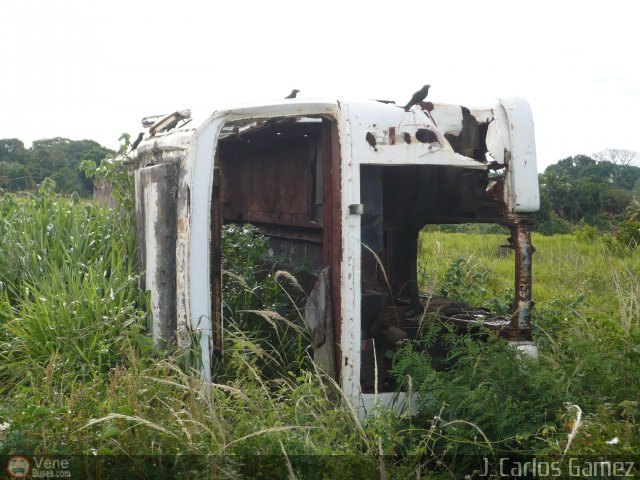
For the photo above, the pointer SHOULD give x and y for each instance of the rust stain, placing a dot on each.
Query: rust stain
(426, 106)
(520, 226)
(332, 244)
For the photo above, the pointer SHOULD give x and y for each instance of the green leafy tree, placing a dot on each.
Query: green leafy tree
(582, 190)
(56, 158)
(13, 173)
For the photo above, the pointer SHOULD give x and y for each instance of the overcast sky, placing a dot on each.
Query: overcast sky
(87, 69)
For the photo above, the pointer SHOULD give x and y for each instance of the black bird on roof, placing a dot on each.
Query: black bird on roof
(137, 141)
(293, 94)
(418, 97)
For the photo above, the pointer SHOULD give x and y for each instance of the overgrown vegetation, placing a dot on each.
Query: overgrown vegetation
(587, 329)
(80, 375)
(67, 288)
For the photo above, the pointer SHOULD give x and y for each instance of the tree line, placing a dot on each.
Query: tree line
(56, 158)
(599, 191)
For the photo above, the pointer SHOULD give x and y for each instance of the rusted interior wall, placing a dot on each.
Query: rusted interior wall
(272, 185)
(284, 178)
(271, 181)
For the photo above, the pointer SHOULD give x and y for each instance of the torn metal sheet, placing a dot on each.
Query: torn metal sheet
(176, 119)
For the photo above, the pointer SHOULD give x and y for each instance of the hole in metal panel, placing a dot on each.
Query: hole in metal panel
(425, 136)
(371, 140)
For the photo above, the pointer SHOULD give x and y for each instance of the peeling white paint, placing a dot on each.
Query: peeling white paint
(448, 118)
(151, 265)
(521, 185)
(482, 115)
(377, 119)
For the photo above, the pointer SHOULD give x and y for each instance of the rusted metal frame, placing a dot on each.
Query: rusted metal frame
(520, 226)
(332, 224)
(216, 264)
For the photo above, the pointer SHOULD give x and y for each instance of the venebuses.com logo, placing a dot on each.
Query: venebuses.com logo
(18, 467)
(38, 467)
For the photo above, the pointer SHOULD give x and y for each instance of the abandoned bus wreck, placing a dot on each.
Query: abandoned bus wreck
(344, 187)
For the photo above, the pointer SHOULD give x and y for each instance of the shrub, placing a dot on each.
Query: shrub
(587, 233)
(553, 225)
(466, 280)
(628, 234)
(505, 395)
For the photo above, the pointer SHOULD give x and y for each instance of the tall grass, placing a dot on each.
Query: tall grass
(68, 287)
(627, 288)
(80, 375)
(565, 268)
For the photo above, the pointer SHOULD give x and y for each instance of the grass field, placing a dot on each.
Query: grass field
(80, 376)
(565, 268)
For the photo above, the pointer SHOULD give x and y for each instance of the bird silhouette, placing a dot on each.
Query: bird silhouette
(419, 96)
(293, 93)
(137, 141)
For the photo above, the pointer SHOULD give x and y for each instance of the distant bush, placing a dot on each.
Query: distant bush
(628, 234)
(553, 225)
(587, 233)
(22, 169)
(473, 283)
(626, 237)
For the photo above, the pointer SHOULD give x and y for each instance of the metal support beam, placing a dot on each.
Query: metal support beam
(520, 226)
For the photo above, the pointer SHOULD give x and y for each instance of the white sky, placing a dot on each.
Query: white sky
(88, 69)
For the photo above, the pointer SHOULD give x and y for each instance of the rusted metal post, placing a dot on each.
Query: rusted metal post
(520, 226)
